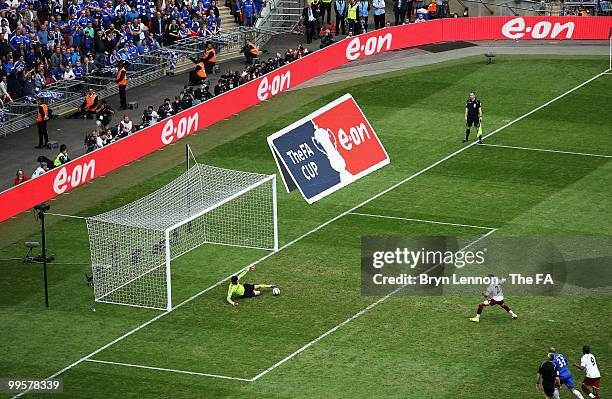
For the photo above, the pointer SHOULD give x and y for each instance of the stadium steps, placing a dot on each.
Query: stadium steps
(285, 14)
(227, 19)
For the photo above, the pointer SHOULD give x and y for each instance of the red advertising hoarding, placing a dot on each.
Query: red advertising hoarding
(102, 161)
(328, 149)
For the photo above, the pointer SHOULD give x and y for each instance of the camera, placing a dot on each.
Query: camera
(42, 207)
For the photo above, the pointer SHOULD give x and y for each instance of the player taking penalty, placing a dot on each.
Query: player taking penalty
(244, 290)
(495, 296)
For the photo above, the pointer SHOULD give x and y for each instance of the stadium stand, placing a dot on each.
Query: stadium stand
(41, 39)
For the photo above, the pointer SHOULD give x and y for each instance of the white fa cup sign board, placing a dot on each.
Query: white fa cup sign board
(327, 150)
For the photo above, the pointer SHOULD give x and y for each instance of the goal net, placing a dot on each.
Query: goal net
(132, 247)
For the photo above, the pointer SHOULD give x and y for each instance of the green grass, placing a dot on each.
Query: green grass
(406, 347)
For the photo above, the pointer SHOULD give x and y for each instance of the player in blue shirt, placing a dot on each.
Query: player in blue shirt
(565, 375)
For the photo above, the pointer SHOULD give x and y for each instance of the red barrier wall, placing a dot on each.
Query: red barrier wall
(102, 161)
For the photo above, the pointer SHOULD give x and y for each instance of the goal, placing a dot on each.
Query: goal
(132, 247)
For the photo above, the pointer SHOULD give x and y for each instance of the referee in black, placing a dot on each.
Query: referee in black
(473, 116)
(549, 377)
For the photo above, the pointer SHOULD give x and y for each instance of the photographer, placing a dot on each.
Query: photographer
(104, 138)
(125, 128)
(327, 40)
(186, 97)
(202, 94)
(177, 104)
(91, 141)
(105, 115)
(149, 117)
(165, 110)
(220, 87)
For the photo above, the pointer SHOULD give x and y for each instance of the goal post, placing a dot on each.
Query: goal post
(132, 247)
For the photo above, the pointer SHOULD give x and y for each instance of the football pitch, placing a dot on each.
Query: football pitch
(544, 170)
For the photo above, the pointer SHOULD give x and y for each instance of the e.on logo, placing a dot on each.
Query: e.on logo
(185, 126)
(276, 85)
(356, 135)
(515, 28)
(374, 45)
(80, 174)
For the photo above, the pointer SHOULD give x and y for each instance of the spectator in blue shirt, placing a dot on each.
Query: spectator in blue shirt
(133, 54)
(248, 10)
(83, 19)
(63, 26)
(114, 59)
(73, 56)
(107, 14)
(143, 47)
(75, 8)
(77, 36)
(92, 6)
(18, 38)
(123, 54)
(131, 15)
(20, 65)
(78, 70)
(9, 66)
(43, 34)
(57, 73)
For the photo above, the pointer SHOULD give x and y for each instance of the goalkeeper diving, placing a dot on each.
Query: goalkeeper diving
(244, 290)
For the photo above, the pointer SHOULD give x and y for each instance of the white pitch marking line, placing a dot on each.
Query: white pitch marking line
(225, 377)
(420, 220)
(544, 150)
(309, 232)
(356, 315)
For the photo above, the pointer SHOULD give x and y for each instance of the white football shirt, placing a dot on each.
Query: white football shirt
(495, 289)
(588, 362)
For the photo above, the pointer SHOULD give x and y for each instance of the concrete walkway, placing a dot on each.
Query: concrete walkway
(416, 57)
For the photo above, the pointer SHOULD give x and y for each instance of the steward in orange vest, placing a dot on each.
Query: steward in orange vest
(210, 58)
(250, 52)
(122, 81)
(198, 75)
(88, 107)
(41, 123)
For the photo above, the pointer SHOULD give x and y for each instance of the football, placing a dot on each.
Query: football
(275, 291)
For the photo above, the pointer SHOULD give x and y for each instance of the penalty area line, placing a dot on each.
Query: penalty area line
(140, 366)
(586, 154)
(314, 230)
(421, 220)
(356, 315)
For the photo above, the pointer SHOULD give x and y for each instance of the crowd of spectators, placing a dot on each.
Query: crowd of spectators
(107, 132)
(45, 41)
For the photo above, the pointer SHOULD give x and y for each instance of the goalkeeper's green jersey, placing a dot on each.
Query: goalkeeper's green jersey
(236, 289)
